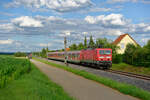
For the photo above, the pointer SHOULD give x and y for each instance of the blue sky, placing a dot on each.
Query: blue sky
(29, 25)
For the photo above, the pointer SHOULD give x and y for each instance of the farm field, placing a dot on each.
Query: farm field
(11, 69)
(131, 68)
(23, 81)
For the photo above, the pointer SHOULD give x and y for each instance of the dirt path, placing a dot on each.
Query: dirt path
(79, 87)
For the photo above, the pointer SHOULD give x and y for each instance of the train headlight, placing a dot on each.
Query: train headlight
(101, 57)
(108, 57)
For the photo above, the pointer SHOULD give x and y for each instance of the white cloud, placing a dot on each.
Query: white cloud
(44, 44)
(54, 29)
(7, 27)
(114, 32)
(96, 9)
(26, 21)
(112, 19)
(147, 29)
(142, 26)
(85, 33)
(68, 33)
(57, 5)
(121, 1)
(9, 41)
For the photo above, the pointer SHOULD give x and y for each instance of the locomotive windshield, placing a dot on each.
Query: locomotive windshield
(106, 52)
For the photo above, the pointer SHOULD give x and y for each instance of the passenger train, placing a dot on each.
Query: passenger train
(99, 57)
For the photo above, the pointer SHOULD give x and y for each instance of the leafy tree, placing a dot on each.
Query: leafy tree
(113, 47)
(128, 55)
(80, 46)
(91, 42)
(47, 49)
(43, 53)
(73, 47)
(105, 43)
(117, 58)
(85, 42)
(102, 42)
(147, 45)
(147, 51)
(20, 54)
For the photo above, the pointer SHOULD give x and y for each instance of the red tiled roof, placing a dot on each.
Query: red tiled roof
(119, 39)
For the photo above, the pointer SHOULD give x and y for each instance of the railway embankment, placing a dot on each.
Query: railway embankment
(103, 78)
(132, 69)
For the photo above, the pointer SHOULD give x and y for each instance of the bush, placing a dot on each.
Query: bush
(117, 58)
(20, 54)
(136, 55)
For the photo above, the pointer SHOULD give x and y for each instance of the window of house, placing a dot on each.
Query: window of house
(122, 45)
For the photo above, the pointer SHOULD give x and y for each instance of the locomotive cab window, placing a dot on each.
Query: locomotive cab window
(107, 52)
(101, 52)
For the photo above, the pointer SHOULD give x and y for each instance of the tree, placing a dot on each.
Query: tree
(73, 47)
(91, 43)
(43, 53)
(129, 51)
(105, 43)
(85, 42)
(20, 54)
(102, 42)
(80, 46)
(147, 45)
(147, 51)
(47, 49)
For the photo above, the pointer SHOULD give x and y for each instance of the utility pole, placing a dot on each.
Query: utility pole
(65, 46)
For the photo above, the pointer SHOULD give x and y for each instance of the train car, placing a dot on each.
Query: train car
(99, 57)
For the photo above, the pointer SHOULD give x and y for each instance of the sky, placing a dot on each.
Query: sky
(30, 25)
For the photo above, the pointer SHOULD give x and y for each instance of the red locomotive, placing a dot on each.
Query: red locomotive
(100, 57)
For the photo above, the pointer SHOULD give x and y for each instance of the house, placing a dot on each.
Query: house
(122, 42)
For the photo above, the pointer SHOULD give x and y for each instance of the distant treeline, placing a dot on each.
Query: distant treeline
(6, 53)
(100, 43)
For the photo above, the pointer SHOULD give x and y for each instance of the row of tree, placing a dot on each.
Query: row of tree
(100, 42)
(43, 53)
(137, 55)
(20, 54)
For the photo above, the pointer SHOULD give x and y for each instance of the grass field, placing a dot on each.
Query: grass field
(130, 68)
(33, 85)
(123, 88)
(11, 68)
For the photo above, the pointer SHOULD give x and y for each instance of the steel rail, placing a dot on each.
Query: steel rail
(139, 76)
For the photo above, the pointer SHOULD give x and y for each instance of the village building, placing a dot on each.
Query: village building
(122, 42)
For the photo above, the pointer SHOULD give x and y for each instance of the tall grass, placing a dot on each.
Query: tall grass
(12, 68)
(34, 85)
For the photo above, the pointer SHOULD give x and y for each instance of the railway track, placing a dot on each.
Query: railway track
(139, 76)
(144, 77)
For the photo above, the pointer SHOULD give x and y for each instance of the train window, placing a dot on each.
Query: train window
(101, 52)
(107, 52)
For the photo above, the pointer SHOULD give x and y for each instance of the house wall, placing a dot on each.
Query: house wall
(123, 43)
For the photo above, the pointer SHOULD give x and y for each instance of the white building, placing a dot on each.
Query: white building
(122, 42)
